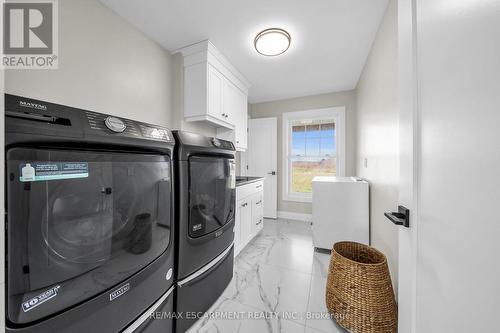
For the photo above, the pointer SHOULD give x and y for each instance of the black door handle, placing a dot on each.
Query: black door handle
(272, 173)
(402, 217)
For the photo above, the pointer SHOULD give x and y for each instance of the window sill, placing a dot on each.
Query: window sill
(298, 198)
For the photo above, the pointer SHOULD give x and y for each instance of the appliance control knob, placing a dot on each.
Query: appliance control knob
(216, 142)
(169, 274)
(114, 124)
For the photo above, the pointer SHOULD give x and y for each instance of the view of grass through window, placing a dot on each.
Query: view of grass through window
(313, 152)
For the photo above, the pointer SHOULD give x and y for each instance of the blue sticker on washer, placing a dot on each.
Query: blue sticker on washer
(40, 171)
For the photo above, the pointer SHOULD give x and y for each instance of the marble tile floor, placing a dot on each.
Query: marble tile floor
(278, 286)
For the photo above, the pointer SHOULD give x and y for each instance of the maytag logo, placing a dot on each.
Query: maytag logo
(32, 105)
(119, 292)
(40, 299)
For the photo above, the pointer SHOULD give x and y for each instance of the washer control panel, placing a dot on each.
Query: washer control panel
(115, 124)
(125, 127)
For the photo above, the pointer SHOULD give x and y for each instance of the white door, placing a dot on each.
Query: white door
(407, 84)
(450, 152)
(262, 155)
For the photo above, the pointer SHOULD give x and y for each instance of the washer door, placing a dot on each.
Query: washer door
(80, 223)
(211, 194)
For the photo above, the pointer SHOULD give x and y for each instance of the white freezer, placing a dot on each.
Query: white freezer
(340, 210)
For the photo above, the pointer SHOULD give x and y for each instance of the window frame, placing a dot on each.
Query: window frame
(336, 113)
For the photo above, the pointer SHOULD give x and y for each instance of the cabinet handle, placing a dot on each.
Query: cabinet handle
(245, 204)
(260, 221)
(259, 202)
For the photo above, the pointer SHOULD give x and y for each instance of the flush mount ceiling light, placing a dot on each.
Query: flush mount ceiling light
(272, 42)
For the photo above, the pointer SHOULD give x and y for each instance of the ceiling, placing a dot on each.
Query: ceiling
(331, 39)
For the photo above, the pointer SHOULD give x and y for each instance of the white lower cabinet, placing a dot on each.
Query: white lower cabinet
(249, 214)
(257, 213)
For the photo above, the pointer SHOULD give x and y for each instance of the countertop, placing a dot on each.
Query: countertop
(338, 179)
(247, 180)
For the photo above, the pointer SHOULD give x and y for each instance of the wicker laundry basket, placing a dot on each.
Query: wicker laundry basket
(359, 293)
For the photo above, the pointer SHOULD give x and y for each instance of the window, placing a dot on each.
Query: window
(313, 146)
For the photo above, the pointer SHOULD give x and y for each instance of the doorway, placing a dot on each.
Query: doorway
(261, 158)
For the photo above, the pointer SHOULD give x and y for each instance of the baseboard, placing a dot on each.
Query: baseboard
(295, 216)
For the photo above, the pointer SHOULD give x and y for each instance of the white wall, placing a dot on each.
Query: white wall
(105, 65)
(277, 108)
(377, 153)
(458, 270)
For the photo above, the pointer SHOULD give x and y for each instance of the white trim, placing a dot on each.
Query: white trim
(147, 314)
(206, 267)
(337, 113)
(295, 216)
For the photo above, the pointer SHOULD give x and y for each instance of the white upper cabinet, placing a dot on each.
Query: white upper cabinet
(236, 108)
(230, 102)
(215, 95)
(214, 91)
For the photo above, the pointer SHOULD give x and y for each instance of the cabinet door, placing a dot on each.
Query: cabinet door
(241, 119)
(257, 213)
(236, 113)
(215, 93)
(237, 228)
(246, 222)
(230, 108)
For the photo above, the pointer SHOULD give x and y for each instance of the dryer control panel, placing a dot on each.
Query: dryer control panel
(222, 144)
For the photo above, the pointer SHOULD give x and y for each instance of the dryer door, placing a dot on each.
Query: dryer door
(80, 223)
